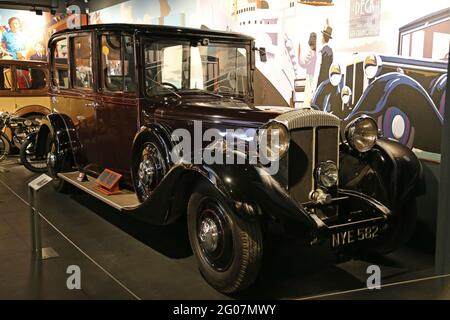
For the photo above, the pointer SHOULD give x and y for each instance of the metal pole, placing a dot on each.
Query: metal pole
(35, 226)
(442, 261)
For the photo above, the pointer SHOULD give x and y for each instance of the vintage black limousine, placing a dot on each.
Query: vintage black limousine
(124, 94)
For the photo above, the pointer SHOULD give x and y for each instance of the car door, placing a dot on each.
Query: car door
(117, 111)
(82, 100)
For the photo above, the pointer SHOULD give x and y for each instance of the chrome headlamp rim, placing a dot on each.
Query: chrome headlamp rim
(263, 134)
(322, 169)
(372, 65)
(351, 131)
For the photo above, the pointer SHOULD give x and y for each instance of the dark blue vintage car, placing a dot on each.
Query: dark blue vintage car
(404, 94)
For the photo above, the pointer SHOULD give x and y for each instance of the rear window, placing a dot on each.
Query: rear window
(5, 78)
(30, 79)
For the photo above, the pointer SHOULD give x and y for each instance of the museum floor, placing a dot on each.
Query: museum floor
(121, 258)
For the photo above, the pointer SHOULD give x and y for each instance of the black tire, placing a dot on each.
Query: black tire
(234, 263)
(4, 146)
(59, 184)
(27, 156)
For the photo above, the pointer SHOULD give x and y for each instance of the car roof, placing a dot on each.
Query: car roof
(171, 31)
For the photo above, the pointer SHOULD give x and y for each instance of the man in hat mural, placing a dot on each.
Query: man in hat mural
(308, 62)
(326, 54)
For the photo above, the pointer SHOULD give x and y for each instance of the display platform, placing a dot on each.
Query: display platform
(121, 258)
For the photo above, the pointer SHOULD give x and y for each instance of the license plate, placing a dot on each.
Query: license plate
(342, 238)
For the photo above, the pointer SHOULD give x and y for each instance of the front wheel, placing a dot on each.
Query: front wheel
(227, 247)
(28, 156)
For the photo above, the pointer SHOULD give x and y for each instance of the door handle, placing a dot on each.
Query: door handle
(94, 105)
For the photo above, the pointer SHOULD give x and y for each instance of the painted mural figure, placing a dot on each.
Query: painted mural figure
(13, 42)
(308, 62)
(40, 53)
(326, 54)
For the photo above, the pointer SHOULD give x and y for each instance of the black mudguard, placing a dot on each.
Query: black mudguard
(62, 130)
(401, 92)
(390, 173)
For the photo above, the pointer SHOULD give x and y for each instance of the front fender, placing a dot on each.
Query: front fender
(395, 94)
(390, 173)
(252, 191)
(60, 128)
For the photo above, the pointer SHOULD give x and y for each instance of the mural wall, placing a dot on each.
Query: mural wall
(22, 35)
(303, 40)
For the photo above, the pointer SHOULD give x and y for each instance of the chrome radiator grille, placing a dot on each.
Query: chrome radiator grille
(314, 138)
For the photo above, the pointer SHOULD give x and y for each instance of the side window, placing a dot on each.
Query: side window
(5, 78)
(60, 64)
(30, 78)
(118, 63)
(82, 62)
(172, 65)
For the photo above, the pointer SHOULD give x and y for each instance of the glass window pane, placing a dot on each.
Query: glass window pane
(82, 62)
(218, 68)
(5, 78)
(406, 40)
(60, 64)
(30, 78)
(417, 44)
(112, 62)
(118, 63)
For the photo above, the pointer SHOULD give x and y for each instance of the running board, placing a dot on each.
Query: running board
(125, 201)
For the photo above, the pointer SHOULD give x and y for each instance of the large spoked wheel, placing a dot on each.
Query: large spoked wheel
(227, 247)
(4, 146)
(149, 169)
(28, 156)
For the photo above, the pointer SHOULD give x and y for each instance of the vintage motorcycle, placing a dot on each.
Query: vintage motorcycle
(13, 132)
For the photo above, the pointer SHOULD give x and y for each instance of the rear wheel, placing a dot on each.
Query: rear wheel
(4, 146)
(228, 248)
(28, 156)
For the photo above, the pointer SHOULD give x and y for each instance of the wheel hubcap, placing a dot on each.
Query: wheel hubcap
(214, 235)
(150, 170)
(209, 235)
